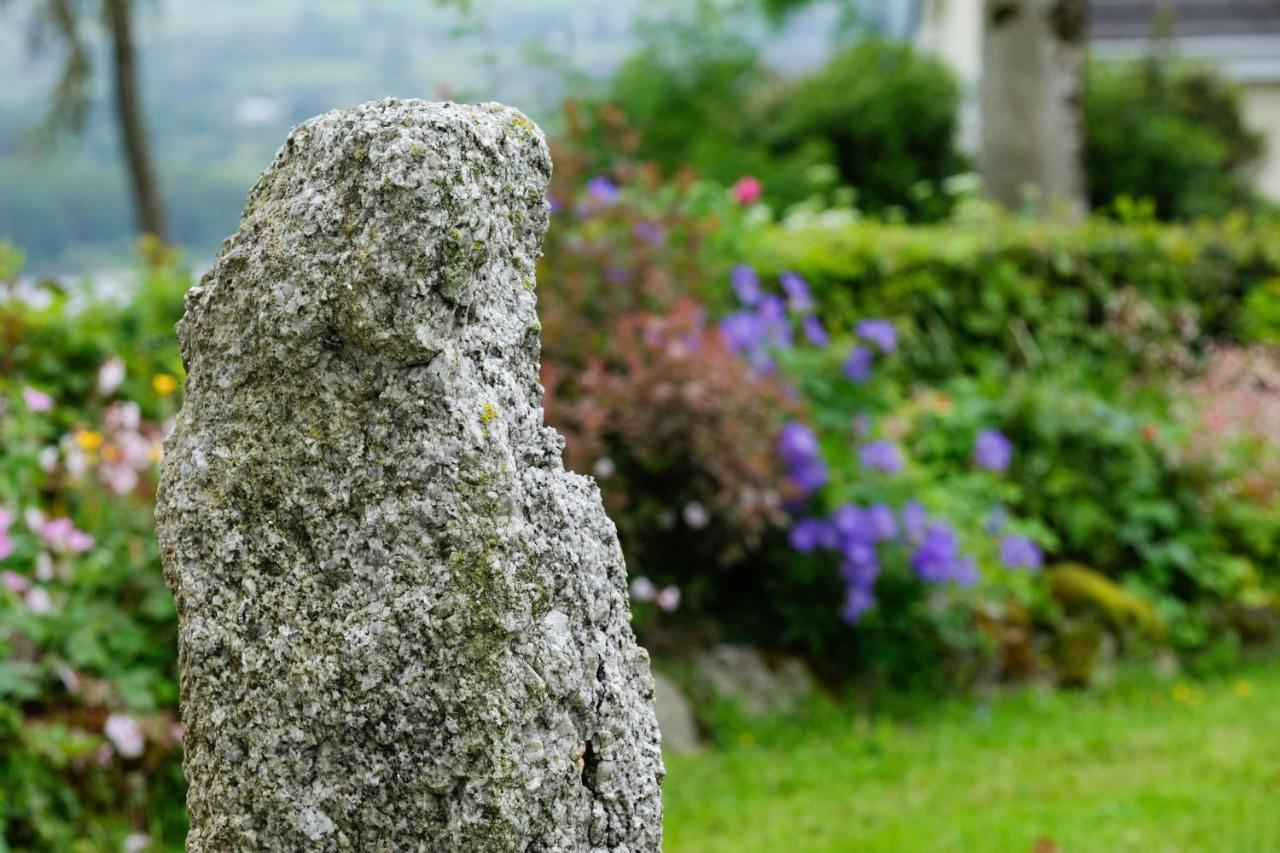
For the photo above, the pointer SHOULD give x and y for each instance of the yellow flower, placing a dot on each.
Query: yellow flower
(1243, 688)
(164, 384)
(1185, 694)
(88, 439)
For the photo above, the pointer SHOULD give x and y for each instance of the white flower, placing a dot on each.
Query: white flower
(45, 569)
(642, 589)
(38, 600)
(136, 843)
(604, 468)
(110, 376)
(696, 515)
(48, 458)
(125, 735)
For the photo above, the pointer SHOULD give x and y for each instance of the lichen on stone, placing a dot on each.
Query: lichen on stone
(403, 625)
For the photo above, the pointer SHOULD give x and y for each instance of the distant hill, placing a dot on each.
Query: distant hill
(224, 81)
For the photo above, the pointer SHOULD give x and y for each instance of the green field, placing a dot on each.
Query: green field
(1175, 766)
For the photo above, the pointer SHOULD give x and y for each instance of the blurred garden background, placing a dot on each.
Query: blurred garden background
(927, 354)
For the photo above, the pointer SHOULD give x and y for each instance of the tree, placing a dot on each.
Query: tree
(62, 22)
(1032, 117)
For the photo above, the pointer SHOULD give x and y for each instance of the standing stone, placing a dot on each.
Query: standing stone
(403, 625)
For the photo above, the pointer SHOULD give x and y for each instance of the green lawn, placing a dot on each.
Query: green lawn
(1143, 767)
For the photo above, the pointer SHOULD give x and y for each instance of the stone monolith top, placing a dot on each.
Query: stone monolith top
(403, 625)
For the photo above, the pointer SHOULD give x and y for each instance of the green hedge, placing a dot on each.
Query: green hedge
(1006, 295)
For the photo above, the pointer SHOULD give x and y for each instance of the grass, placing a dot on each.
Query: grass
(1145, 767)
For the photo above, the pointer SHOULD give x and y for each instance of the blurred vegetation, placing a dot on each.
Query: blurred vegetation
(1167, 132)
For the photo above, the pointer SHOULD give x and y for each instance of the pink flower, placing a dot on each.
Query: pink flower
(38, 600)
(125, 735)
(61, 533)
(78, 541)
(747, 190)
(14, 582)
(136, 843)
(54, 530)
(668, 598)
(37, 401)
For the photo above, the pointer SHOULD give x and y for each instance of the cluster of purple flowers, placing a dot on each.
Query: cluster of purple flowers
(880, 334)
(856, 533)
(800, 452)
(763, 323)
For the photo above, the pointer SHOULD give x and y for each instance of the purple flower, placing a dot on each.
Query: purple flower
(881, 456)
(937, 559)
(1019, 552)
(861, 571)
(860, 557)
(964, 571)
(813, 331)
(808, 534)
(879, 332)
(771, 326)
(857, 601)
(992, 450)
(742, 331)
(914, 521)
(852, 523)
(650, 232)
(797, 289)
(809, 476)
(802, 455)
(602, 190)
(746, 284)
(857, 367)
(798, 443)
(934, 561)
(880, 519)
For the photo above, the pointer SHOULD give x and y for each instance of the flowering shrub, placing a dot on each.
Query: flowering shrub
(679, 434)
(762, 331)
(88, 729)
(677, 431)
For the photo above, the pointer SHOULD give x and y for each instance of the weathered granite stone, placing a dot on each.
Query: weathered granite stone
(403, 625)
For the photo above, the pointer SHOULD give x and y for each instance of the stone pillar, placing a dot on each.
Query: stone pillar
(403, 625)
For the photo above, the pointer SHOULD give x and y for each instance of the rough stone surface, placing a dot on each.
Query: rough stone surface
(403, 626)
